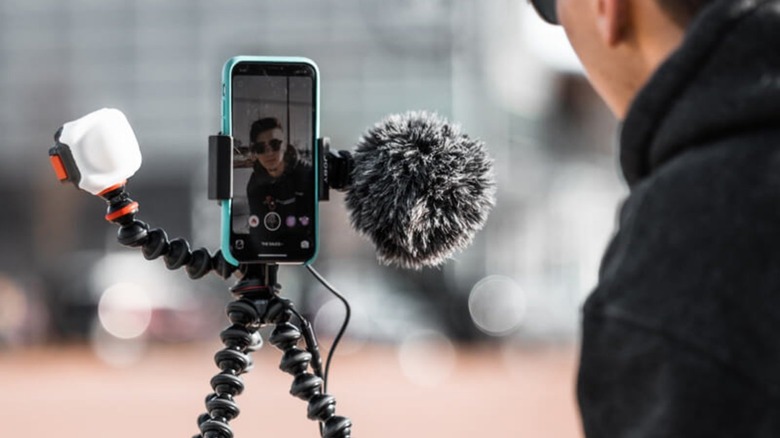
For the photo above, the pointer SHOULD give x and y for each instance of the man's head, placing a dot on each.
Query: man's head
(267, 141)
(621, 42)
(681, 11)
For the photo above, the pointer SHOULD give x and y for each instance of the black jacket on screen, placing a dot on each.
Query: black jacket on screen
(290, 196)
(681, 338)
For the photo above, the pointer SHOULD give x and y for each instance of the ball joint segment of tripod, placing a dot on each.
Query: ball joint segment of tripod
(306, 386)
(240, 339)
(257, 305)
(154, 243)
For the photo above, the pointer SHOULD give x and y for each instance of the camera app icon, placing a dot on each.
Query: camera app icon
(272, 221)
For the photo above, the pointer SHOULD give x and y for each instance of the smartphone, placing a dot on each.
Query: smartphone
(270, 106)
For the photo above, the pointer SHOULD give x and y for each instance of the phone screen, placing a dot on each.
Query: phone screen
(273, 211)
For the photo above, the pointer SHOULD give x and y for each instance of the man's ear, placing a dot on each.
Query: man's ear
(612, 20)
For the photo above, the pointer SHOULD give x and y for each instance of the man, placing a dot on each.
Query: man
(278, 189)
(266, 148)
(681, 337)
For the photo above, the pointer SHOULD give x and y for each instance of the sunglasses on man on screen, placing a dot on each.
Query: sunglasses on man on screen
(261, 147)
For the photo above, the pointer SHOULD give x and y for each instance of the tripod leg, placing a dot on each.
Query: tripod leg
(240, 339)
(295, 361)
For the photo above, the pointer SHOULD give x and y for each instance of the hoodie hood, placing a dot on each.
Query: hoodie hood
(723, 80)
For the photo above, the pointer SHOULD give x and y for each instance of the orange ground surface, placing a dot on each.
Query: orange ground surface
(490, 392)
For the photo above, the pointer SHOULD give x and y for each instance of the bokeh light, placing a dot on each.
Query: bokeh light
(115, 351)
(497, 305)
(13, 309)
(125, 310)
(13, 305)
(328, 321)
(427, 358)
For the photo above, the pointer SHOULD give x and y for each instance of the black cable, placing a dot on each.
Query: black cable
(311, 343)
(343, 329)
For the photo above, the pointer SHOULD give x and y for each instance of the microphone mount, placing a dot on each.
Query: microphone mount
(336, 170)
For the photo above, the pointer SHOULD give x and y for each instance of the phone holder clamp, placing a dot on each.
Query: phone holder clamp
(335, 168)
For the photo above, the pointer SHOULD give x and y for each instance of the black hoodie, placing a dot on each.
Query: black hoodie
(681, 338)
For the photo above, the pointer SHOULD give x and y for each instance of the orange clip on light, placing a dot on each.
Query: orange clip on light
(59, 167)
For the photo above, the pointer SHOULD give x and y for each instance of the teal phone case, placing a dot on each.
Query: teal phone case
(227, 129)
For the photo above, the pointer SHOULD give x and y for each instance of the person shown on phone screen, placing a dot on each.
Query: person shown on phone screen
(278, 189)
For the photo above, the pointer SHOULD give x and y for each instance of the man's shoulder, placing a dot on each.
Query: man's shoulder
(697, 256)
(302, 170)
(713, 208)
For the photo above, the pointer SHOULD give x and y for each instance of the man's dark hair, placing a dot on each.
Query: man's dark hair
(683, 11)
(262, 125)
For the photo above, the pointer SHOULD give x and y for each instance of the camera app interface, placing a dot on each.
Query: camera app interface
(273, 174)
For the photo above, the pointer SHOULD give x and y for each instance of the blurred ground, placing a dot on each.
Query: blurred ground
(507, 391)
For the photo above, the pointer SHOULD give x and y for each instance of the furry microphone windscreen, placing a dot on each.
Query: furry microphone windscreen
(420, 189)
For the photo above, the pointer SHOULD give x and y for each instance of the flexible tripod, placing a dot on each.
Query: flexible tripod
(257, 303)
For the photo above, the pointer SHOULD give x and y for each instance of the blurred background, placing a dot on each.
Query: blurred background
(96, 341)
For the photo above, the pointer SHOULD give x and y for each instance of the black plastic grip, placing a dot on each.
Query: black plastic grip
(336, 169)
(220, 167)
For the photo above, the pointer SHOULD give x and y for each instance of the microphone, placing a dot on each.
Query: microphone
(420, 189)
